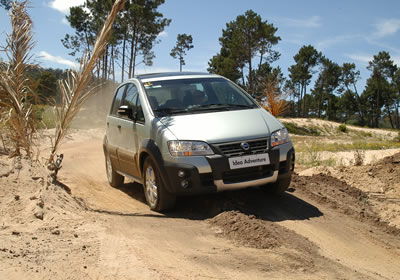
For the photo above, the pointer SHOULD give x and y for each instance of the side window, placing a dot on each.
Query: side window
(132, 100)
(139, 110)
(117, 100)
(131, 96)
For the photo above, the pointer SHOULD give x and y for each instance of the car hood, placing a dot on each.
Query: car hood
(217, 127)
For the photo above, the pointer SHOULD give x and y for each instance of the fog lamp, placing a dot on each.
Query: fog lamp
(181, 173)
(184, 184)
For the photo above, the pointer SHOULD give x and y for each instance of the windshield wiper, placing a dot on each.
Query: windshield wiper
(241, 106)
(205, 107)
(170, 111)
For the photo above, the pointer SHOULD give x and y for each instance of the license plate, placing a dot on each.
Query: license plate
(248, 161)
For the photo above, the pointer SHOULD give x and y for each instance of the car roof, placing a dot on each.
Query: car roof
(173, 75)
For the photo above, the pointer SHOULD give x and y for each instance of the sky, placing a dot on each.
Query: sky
(343, 30)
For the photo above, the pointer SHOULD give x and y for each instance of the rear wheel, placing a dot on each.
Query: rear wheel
(114, 179)
(279, 187)
(157, 197)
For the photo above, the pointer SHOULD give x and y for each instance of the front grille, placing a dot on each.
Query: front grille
(233, 149)
(247, 174)
(206, 179)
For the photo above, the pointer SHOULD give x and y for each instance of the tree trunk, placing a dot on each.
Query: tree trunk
(396, 111)
(112, 63)
(304, 100)
(261, 59)
(106, 64)
(300, 101)
(320, 101)
(131, 59)
(123, 57)
(250, 72)
(377, 109)
(243, 83)
(390, 115)
(134, 58)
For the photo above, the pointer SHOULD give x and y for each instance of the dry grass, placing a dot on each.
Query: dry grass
(276, 103)
(78, 87)
(17, 119)
(15, 93)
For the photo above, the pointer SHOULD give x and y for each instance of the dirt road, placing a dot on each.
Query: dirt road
(241, 235)
(322, 229)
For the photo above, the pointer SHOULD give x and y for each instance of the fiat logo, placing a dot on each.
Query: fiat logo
(245, 146)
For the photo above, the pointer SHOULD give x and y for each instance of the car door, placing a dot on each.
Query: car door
(113, 129)
(128, 149)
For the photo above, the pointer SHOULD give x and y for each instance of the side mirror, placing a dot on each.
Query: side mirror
(124, 110)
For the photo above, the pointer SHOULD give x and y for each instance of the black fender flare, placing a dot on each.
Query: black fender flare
(148, 148)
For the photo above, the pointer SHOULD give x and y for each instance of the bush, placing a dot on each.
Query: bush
(342, 128)
(294, 129)
(44, 116)
(359, 157)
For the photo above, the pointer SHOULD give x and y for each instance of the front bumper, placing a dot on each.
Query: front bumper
(223, 178)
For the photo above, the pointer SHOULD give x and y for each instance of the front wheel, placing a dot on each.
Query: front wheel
(114, 179)
(279, 187)
(157, 197)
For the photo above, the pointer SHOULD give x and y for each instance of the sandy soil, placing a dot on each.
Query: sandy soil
(332, 224)
(331, 127)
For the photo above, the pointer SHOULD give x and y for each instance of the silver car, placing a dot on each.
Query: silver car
(191, 133)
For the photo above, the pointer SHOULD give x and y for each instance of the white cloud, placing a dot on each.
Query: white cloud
(311, 22)
(396, 60)
(163, 34)
(386, 27)
(145, 70)
(57, 59)
(64, 5)
(363, 58)
(296, 39)
(322, 45)
(64, 21)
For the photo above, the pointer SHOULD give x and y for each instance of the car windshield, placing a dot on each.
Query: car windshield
(200, 95)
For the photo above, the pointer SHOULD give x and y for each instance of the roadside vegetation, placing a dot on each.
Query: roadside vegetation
(318, 142)
(22, 112)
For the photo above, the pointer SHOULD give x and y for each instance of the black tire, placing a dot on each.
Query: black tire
(279, 187)
(157, 197)
(114, 179)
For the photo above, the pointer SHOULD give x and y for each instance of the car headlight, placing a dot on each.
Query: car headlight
(189, 148)
(280, 137)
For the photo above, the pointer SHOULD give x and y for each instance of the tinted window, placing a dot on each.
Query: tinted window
(131, 96)
(196, 95)
(117, 100)
(140, 115)
(132, 100)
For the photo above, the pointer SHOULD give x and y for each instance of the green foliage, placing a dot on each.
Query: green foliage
(45, 116)
(301, 73)
(323, 92)
(6, 4)
(183, 44)
(293, 128)
(241, 41)
(343, 128)
(357, 134)
(47, 86)
(136, 27)
(380, 89)
(343, 147)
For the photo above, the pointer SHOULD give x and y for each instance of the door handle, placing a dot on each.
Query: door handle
(108, 124)
(119, 127)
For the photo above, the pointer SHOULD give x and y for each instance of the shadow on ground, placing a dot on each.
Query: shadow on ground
(251, 201)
